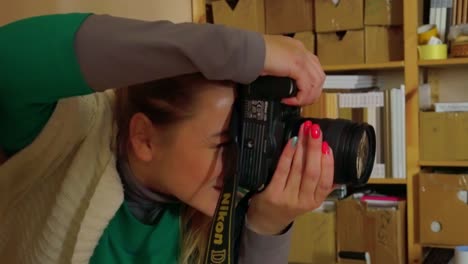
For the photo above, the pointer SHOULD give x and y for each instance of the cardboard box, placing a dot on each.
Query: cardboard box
(247, 14)
(289, 16)
(443, 209)
(379, 231)
(313, 239)
(443, 136)
(346, 15)
(384, 44)
(383, 12)
(335, 48)
(307, 38)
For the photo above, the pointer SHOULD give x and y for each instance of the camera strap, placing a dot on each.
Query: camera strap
(228, 222)
(221, 239)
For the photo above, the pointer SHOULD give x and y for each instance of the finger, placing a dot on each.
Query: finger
(279, 178)
(310, 81)
(295, 175)
(317, 79)
(325, 184)
(311, 78)
(303, 81)
(301, 74)
(313, 165)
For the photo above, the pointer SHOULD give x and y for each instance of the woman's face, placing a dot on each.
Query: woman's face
(189, 165)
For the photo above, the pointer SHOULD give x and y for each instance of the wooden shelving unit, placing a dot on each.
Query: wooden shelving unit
(411, 68)
(448, 163)
(444, 63)
(387, 181)
(370, 66)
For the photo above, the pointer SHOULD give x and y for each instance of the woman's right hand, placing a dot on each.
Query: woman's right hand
(287, 57)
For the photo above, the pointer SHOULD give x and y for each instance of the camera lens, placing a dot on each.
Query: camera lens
(353, 146)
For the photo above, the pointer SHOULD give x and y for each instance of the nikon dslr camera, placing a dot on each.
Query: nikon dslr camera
(263, 126)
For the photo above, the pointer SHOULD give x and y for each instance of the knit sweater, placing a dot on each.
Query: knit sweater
(66, 181)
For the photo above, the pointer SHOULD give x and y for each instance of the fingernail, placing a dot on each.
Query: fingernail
(294, 141)
(315, 131)
(307, 127)
(325, 148)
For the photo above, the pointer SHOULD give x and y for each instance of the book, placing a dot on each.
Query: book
(349, 81)
(451, 107)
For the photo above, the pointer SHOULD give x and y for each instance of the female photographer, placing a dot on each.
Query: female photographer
(134, 176)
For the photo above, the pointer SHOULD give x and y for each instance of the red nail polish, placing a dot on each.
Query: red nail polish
(307, 127)
(315, 131)
(325, 148)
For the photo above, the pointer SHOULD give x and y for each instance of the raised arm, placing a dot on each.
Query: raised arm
(115, 52)
(46, 58)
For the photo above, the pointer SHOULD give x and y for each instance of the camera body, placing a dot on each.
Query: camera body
(261, 126)
(265, 127)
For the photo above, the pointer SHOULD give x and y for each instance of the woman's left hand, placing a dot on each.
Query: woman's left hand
(302, 181)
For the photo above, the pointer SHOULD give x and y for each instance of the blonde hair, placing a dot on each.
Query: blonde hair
(195, 231)
(166, 102)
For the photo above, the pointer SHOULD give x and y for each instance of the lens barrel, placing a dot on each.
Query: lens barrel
(353, 146)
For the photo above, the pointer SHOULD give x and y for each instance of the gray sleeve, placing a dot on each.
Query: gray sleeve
(256, 248)
(116, 52)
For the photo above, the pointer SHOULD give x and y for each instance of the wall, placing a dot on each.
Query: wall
(174, 10)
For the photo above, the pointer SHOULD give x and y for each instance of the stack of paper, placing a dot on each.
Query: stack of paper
(451, 107)
(349, 81)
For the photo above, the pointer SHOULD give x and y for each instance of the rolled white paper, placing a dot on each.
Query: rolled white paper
(461, 255)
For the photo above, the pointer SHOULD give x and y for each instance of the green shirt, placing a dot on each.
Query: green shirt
(38, 66)
(127, 241)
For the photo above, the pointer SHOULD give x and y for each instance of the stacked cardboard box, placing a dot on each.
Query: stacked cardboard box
(313, 238)
(443, 208)
(358, 31)
(294, 18)
(443, 136)
(378, 230)
(383, 21)
(340, 31)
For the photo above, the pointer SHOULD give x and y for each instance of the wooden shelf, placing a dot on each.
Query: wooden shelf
(439, 246)
(443, 63)
(369, 66)
(448, 163)
(387, 181)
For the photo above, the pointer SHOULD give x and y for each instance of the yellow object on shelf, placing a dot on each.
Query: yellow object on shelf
(432, 52)
(426, 32)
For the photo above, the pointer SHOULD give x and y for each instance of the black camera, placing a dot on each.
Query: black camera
(263, 126)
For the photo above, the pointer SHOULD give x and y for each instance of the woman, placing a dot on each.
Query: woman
(63, 183)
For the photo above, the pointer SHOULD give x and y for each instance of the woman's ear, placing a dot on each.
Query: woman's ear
(141, 137)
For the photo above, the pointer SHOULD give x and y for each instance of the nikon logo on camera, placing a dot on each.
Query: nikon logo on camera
(220, 218)
(219, 256)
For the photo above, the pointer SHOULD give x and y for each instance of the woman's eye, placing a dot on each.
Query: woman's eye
(223, 144)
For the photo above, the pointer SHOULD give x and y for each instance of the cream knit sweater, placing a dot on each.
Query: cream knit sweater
(58, 194)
